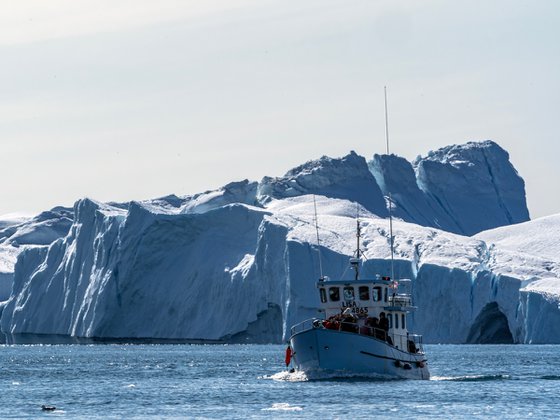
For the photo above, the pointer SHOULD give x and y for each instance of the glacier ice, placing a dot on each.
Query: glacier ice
(239, 263)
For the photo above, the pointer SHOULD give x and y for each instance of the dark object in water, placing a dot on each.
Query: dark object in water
(48, 407)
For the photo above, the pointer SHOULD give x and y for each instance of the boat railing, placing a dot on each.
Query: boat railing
(406, 342)
(306, 325)
(400, 299)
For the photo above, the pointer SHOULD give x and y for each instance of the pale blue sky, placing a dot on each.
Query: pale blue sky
(121, 100)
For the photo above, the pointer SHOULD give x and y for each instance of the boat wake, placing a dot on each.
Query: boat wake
(288, 376)
(471, 378)
(483, 378)
(321, 375)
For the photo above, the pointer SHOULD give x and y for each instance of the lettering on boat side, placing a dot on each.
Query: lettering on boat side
(355, 309)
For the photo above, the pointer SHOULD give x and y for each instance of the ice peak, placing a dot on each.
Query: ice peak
(244, 191)
(346, 178)
(458, 155)
(459, 188)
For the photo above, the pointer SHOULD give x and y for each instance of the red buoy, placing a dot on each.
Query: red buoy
(288, 355)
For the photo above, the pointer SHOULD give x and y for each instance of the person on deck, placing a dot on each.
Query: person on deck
(349, 321)
(383, 326)
(371, 325)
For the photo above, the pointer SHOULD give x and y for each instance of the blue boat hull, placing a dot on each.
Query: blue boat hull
(320, 350)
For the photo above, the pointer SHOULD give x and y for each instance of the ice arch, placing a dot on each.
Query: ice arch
(490, 327)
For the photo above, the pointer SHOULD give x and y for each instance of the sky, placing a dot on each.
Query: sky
(130, 100)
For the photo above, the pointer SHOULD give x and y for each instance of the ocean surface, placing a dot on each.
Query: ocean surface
(250, 381)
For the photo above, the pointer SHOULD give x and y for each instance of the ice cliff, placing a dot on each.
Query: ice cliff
(19, 232)
(239, 264)
(463, 189)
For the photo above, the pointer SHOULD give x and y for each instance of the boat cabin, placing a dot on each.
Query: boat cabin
(372, 307)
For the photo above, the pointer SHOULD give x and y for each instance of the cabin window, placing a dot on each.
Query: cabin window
(403, 324)
(397, 321)
(348, 293)
(323, 294)
(376, 294)
(364, 293)
(386, 293)
(334, 294)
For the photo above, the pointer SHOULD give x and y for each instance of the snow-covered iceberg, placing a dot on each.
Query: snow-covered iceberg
(530, 251)
(239, 264)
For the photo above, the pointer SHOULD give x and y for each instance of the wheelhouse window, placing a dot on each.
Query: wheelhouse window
(364, 292)
(390, 318)
(323, 294)
(334, 294)
(348, 293)
(376, 294)
(397, 321)
(386, 293)
(403, 323)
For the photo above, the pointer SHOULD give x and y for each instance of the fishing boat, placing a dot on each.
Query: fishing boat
(363, 331)
(364, 327)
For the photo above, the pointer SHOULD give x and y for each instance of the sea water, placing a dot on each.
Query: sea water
(250, 381)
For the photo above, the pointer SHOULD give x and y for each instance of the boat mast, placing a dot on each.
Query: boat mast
(355, 260)
(357, 241)
(390, 199)
(318, 242)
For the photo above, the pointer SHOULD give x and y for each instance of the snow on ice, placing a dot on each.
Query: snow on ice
(239, 264)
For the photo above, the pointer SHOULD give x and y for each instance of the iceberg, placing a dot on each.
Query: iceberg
(239, 264)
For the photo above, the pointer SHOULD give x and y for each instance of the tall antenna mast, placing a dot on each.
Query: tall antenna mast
(358, 230)
(355, 260)
(318, 241)
(390, 199)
